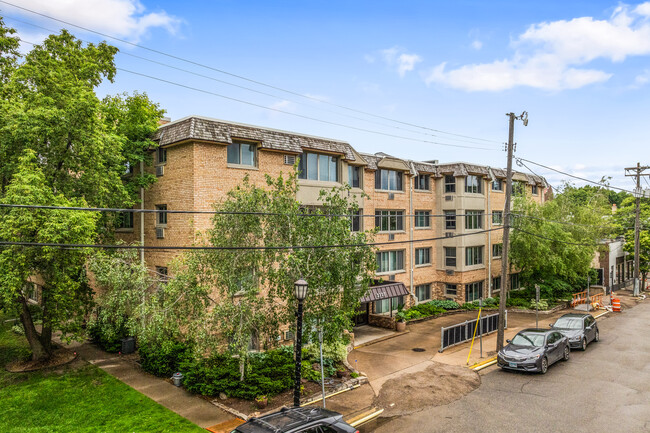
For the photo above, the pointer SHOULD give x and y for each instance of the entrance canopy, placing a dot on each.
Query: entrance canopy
(385, 291)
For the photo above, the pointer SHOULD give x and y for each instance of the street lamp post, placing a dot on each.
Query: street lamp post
(300, 288)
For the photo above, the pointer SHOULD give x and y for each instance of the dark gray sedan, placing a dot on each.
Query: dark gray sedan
(579, 328)
(534, 350)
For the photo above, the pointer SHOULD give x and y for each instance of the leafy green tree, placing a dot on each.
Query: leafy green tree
(624, 219)
(65, 296)
(558, 239)
(82, 145)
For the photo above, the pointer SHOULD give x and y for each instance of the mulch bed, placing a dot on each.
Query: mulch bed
(59, 357)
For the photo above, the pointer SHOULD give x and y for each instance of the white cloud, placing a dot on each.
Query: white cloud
(642, 79)
(477, 45)
(551, 55)
(282, 105)
(397, 57)
(127, 19)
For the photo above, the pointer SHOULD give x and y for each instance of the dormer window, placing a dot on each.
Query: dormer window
(473, 184)
(317, 166)
(242, 153)
(388, 180)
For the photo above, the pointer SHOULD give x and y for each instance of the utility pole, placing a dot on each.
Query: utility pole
(506, 229)
(636, 172)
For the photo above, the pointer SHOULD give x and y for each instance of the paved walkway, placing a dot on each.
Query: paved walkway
(197, 410)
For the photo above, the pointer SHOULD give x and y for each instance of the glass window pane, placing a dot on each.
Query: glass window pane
(323, 166)
(302, 166)
(333, 170)
(233, 153)
(247, 154)
(312, 166)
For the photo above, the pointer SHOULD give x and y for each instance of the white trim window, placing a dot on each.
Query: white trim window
(473, 219)
(242, 153)
(423, 292)
(422, 256)
(390, 261)
(474, 184)
(422, 219)
(388, 180)
(474, 256)
(389, 220)
(318, 166)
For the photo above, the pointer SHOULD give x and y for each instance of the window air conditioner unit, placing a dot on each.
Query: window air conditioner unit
(449, 234)
(160, 233)
(391, 278)
(289, 159)
(449, 198)
(288, 335)
(450, 271)
(391, 236)
(160, 170)
(391, 196)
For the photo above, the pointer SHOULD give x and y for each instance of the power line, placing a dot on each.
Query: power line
(196, 89)
(246, 88)
(555, 240)
(213, 248)
(573, 176)
(221, 71)
(210, 212)
(566, 222)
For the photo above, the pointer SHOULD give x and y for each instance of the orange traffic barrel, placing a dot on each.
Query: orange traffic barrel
(616, 304)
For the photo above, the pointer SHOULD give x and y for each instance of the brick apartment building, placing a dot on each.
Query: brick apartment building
(199, 160)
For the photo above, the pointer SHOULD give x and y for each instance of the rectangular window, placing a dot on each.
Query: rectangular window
(496, 284)
(423, 256)
(388, 180)
(450, 183)
(389, 261)
(354, 176)
(473, 256)
(497, 185)
(423, 292)
(162, 216)
(161, 155)
(422, 182)
(357, 223)
(125, 220)
(390, 304)
(422, 218)
(450, 256)
(241, 153)
(389, 220)
(473, 184)
(450, 220)
(497, 250)
(451, 289)
(473, 219)
(534, 189)
(162, 276)
(497, 217)
(514, 282)
(473, 291)
(316, 166)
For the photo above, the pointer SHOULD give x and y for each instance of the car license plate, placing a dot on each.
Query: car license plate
(512, 364)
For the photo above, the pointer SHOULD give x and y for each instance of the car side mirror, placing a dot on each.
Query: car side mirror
(507, 341)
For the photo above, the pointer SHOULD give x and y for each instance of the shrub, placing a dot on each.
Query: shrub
(107, 335)
(164, 359)
(337, 352)
(267, 374)
(518, 302)
(542, 305)
(447, 304)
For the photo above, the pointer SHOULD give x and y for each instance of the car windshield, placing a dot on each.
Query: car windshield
(569, 323)
(532, 340)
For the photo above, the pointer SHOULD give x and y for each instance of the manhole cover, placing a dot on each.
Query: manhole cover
(418, 349)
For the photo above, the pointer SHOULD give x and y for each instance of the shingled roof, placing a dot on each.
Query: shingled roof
(205, 129)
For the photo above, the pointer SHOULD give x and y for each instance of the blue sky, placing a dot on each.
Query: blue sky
(581, 69)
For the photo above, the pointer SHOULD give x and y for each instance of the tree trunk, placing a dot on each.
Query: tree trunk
(39, 351)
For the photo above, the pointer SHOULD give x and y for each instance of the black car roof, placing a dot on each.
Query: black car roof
(536, 331)
(287, 419)
(576, 315)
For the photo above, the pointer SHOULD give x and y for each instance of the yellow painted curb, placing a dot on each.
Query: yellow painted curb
(482, 363)
(365, 417)
(481, 367)
(602, 314)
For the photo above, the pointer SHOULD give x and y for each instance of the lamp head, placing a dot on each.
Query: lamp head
(300, 289)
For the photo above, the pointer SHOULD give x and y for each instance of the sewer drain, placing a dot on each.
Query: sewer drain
(418, 349)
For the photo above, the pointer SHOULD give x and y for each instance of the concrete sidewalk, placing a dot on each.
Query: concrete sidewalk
(192, 407)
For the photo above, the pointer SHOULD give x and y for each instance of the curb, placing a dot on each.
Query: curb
(379, 340)
(365, 417)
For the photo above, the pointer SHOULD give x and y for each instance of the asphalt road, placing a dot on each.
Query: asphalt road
(605, 389)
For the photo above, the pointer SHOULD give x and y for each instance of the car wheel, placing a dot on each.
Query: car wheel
(566, 353)
(584, 344)
(544, 367)
(597, 336)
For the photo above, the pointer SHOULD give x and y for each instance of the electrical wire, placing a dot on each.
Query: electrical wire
(573, 176)
(567, 223)
(221, 71)
(244, 87)
(208, 212)
(238, 248)
(555, 240)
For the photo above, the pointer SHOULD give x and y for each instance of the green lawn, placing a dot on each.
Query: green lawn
(81, 399)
